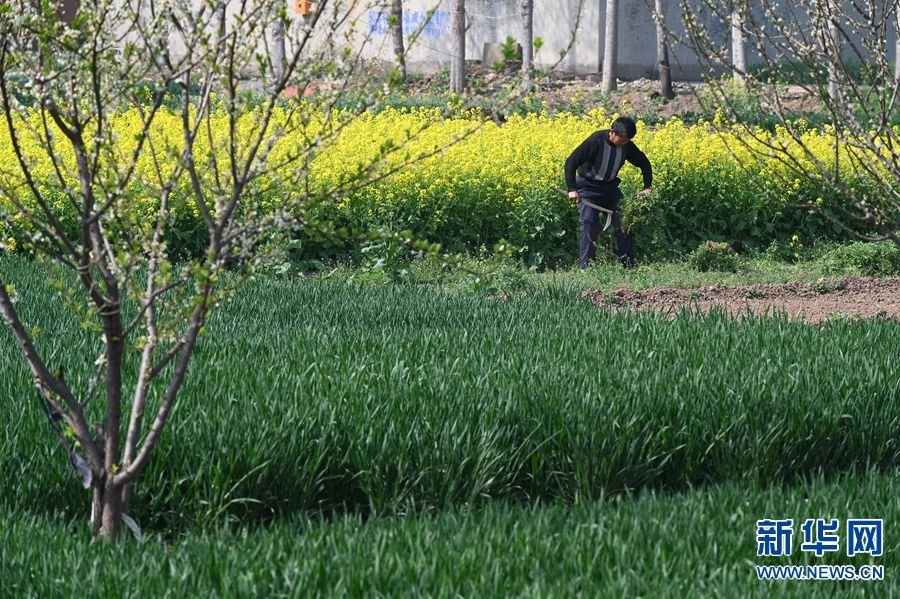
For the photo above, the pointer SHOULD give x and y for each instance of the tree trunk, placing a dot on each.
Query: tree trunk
(396, 21)
(527, 43)
(279, 60)
(220, 19)
(834, 53)
(458, 60)
(897, 50)
(600, 36)
(112, 507)
(610, 57)
(738, 47)
(662, 53)
(111, 503)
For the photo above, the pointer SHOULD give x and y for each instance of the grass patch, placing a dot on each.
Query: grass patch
(510, 278)
(699, 543)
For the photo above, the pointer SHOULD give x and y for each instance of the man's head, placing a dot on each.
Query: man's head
(622, 130)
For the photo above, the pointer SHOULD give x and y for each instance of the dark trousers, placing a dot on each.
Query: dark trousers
(592, 221)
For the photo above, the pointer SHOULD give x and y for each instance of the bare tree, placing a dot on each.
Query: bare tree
(395, 22)
(662, 51)
(738, 47)
(610, 52)
(527, 43)
(217, 148)
(858, 185)
(831, 43)
(221, 12)
(458, 60)
(897, 48)
(279, 56)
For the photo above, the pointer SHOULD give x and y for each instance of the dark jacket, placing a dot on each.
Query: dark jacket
(597, 162)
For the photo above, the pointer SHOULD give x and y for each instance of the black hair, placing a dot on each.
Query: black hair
(624, 126)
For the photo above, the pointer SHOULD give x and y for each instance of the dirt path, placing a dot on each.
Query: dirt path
(811, 302)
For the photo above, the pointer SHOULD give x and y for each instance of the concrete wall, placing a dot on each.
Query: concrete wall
(554, 20)
(491, 21)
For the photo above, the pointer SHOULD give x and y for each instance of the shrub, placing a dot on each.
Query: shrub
(714, 256)
(879, 259)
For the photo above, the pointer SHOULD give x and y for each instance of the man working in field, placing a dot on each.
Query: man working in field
(591, 180)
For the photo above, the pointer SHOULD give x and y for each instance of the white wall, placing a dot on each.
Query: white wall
(493, 20)
(554, 20)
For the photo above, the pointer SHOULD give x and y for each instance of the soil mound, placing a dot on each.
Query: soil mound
(812, 302)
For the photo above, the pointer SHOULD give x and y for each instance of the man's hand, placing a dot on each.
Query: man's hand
(573, 195)
(645, 192)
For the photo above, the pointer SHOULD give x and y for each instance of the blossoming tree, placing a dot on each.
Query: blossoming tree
(113, 117)
(835, 53)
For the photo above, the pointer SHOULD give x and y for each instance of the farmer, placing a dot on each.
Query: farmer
(591, 176)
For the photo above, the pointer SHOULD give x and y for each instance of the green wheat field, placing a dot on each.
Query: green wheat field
(340, 439)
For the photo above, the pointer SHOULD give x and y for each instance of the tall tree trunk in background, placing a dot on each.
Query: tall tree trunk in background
(600, 4)
(279, 60)
(527, 43)
(220, 17)
(396, 22)
(610, 57)
(662, 53)
(897, 48)
(458, 60)
(738, 46)
(834, 42)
